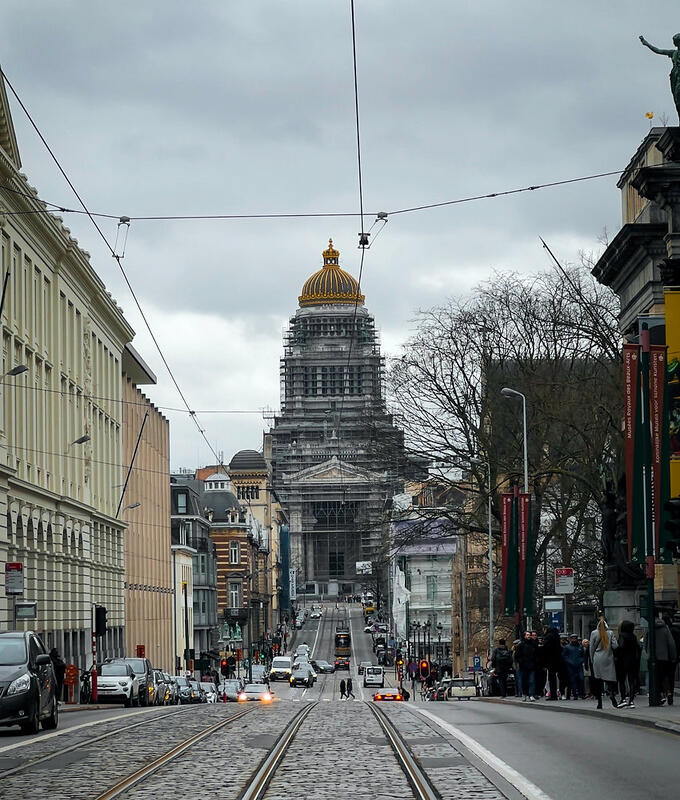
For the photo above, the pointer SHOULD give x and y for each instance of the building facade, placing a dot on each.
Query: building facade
(336, 455)
(60, 422)
(145, 508)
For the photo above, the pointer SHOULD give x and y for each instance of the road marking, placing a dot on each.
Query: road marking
(522, 784)
(360, 686)
(47, 736)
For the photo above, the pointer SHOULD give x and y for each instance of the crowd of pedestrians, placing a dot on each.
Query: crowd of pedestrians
(610, 662)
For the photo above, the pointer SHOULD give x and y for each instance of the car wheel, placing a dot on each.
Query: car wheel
(32, 725)
(145, 697)
(127, 702)
(50, 724)
(138, 700)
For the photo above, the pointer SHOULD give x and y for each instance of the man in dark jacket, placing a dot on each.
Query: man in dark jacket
(574, 657)
(552, 658)
(501, 662)
(59, 666)
(525, 654)
(665, 660)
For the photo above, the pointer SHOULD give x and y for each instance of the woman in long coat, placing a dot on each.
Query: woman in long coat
(602, 645)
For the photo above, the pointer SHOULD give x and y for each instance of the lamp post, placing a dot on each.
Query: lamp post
(12, 373)
(440, 655)
(487, 464)
(506, 392)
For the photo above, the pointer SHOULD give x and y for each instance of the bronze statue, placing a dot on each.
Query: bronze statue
(674, 55)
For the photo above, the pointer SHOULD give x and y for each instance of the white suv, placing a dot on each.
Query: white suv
(117, 681)
(281, 667)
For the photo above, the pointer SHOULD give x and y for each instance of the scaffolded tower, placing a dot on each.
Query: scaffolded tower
(337, 456)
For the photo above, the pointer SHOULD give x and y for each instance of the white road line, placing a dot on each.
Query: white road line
(360, 685)
(61, 732)
(522, 784)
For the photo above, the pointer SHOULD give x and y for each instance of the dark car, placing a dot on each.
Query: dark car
(185, 694)
(144, 672)
(323, 666)
(28, 689)
(342, 663)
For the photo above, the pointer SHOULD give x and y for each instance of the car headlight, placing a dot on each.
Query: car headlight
(21, 684)
(124, 684)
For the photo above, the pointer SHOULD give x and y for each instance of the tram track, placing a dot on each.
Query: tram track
(62, 751)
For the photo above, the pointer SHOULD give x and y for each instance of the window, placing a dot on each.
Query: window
(248, 492)
(181, 502)
(234, 595)
(431, 582)
(234, 553)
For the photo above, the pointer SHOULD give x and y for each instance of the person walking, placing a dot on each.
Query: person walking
(501, 663)
(573, 658)
(552, 658)
(602, 645)
(349, 689)
(526, 659)
(627, 660)
(587, 668)
(343, 689)
(59, 667)
(665, 660)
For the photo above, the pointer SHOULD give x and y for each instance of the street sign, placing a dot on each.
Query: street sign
(14, 578)
(26, 610)
(564, 580)
(476, 663)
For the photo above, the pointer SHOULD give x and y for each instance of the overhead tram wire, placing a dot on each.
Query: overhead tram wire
(192, 413)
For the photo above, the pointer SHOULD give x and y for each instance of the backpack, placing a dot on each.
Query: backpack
(504, 659)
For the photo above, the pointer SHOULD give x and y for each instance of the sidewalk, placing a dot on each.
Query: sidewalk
(664, 717)
(67, 707)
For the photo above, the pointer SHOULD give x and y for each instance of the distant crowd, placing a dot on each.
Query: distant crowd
(615, 663)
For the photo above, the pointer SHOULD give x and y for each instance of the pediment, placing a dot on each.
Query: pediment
(333, 470)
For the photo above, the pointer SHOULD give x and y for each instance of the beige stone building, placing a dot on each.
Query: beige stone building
(146, 510)
(60, 421)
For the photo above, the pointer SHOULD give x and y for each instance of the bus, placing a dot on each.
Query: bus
(343, 643)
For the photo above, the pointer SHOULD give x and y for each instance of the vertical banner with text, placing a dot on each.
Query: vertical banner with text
(526, 556)
(632, 441)
(506, 510)
(660, 460)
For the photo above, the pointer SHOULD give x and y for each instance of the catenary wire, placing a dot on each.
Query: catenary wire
(117, 259)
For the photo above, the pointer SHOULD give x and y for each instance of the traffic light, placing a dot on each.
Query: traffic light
(100, 620)
(672, 526)
(424, 669)
(224, 667)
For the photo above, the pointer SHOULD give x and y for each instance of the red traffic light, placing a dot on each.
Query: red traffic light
(224, 669)
(424, 669)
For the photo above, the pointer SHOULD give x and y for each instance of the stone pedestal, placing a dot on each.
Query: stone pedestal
(620, 604)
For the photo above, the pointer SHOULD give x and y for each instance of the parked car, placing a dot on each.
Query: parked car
(281, 667)
(144, 672)
(463, 688)
(198, 695)
(160, 688)
(27, 683)
(210, 691)
(315, 614)
(232, 688)
(258, 673)
(173, 691)
(362, 667)
(302, 675)
(118, 682)
(184, 690)
(256, 691)
(388, 694)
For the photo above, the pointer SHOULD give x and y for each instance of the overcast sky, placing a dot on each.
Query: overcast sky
(167, 107)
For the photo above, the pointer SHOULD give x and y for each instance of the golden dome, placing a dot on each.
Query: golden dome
(331, 285)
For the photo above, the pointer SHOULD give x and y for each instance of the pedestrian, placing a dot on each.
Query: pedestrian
(343, 689)
(675, 633)
(627, 660)
(59, 667)
(573, 658)
(515, 667)
(563, 673)
(552, 658)
(526, 652)
(406, 694)
(540, 671)
(501, 663)
(602, 645)
(665, 660)
(349, 689)
(587, 668)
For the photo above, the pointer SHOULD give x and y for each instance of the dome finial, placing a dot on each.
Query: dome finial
(330, 256)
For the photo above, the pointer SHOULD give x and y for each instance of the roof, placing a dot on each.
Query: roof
(248, 460)
(331, 285)
(8, 139)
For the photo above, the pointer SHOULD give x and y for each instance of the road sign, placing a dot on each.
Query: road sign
(26, 610)
(14, 578)
(476, 663)
(564, 580)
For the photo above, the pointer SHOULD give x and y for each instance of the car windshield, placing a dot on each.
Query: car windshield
(12, 650)
(209, 687)
(113, 669)
(255, 688)
(231, 685)
(181, 681)
(137, 664)
(281, 662)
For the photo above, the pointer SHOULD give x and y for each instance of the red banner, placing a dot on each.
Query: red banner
(631, 368)
(523, 539)
(506, 510)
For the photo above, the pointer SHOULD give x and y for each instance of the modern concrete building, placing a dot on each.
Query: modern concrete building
(145, 508)
(60, 422)
(337, 457)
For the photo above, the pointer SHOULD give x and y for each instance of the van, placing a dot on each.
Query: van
(281, 668)
(374, 676)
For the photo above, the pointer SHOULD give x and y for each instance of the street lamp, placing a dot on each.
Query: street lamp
(487, 464)
(132, 505)
(440, 654)
(506, 392)
(12, 373)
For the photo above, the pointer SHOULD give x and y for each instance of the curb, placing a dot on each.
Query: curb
(64, 708)
(640, 722)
